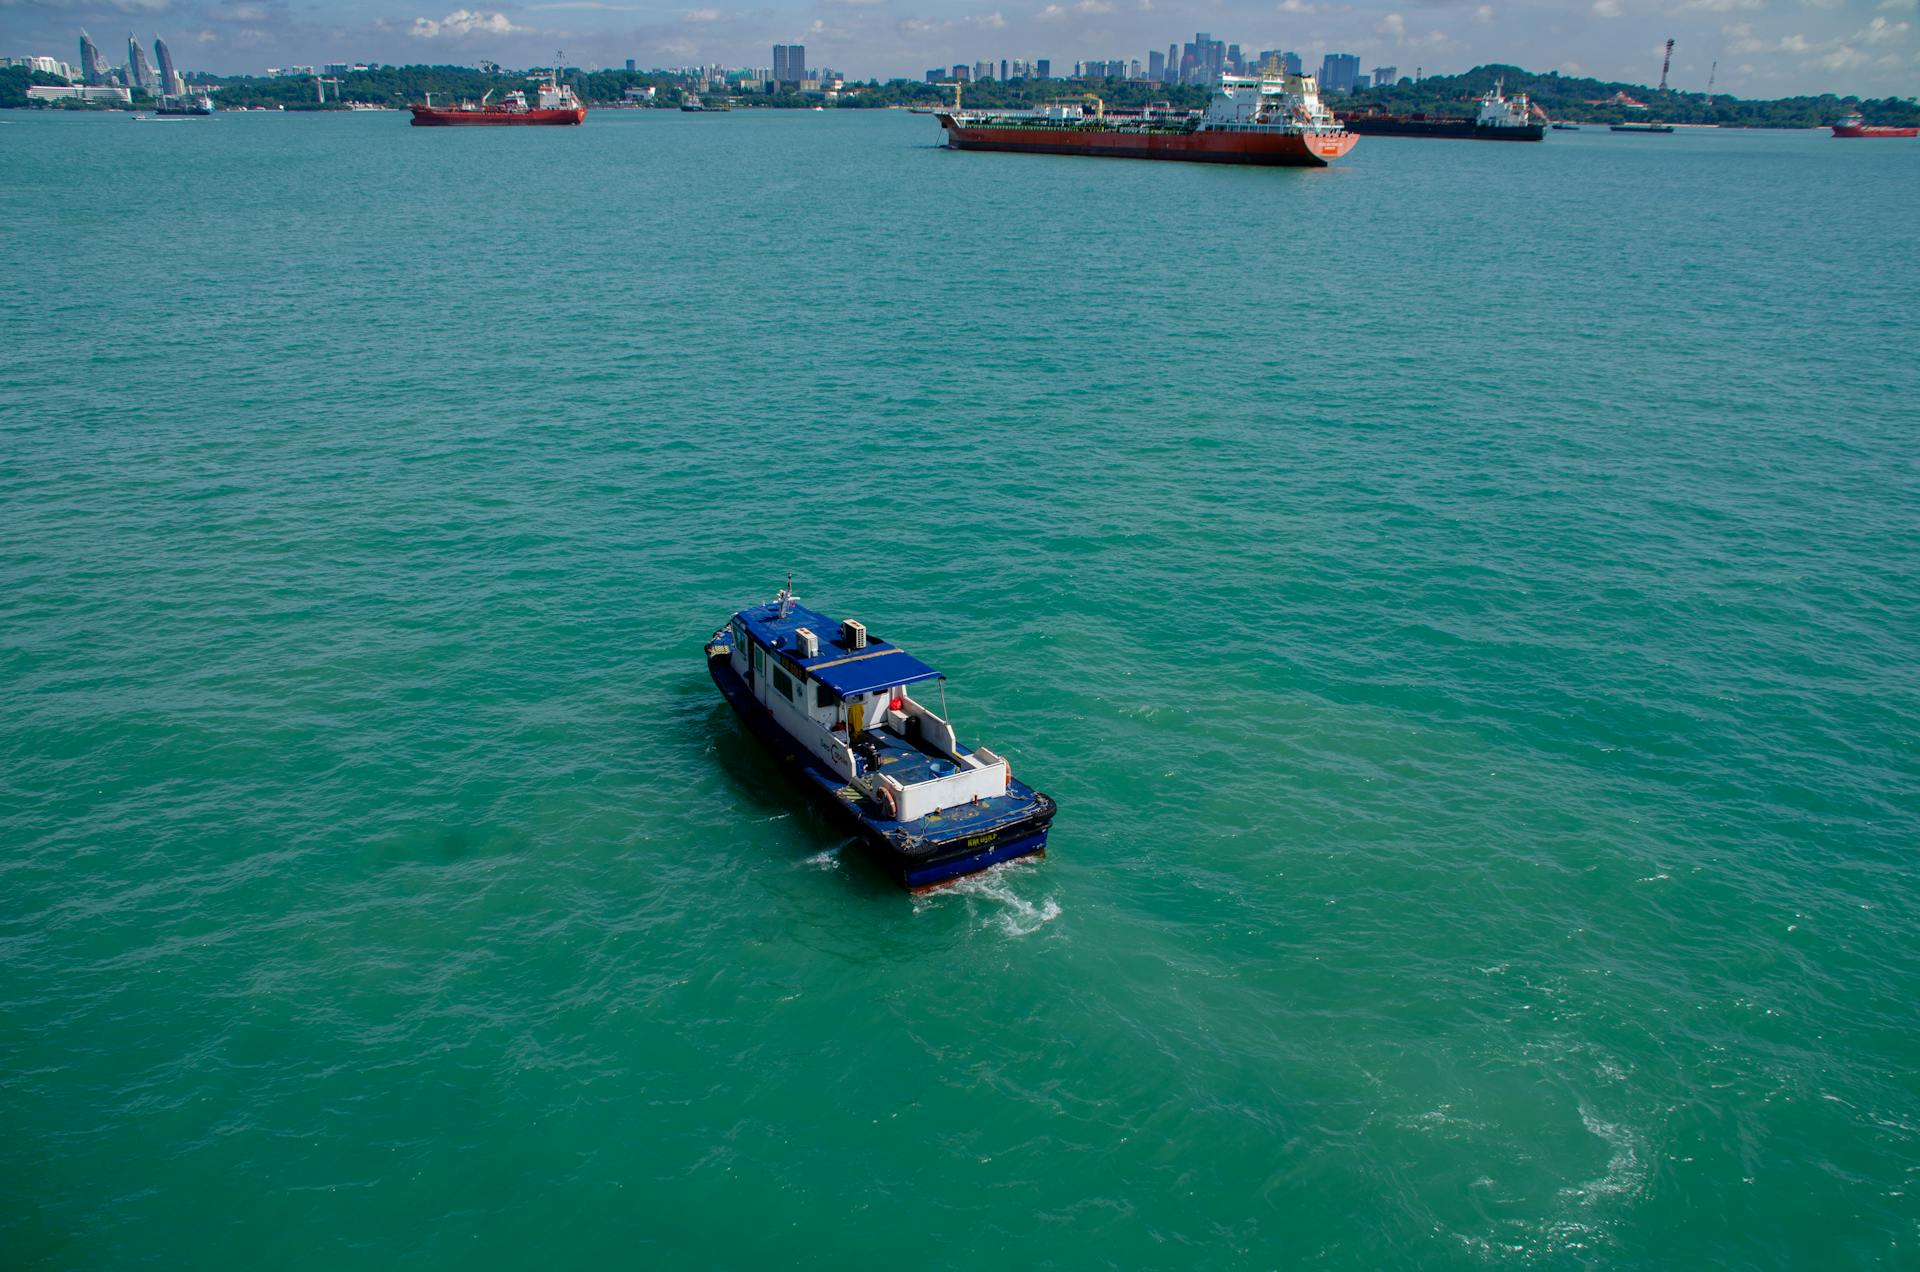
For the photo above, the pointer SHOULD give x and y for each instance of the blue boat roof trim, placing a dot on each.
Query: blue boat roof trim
(841, 668)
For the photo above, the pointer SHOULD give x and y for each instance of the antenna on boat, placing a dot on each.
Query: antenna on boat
(786, 596)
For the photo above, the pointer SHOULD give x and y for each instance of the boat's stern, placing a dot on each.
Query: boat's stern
(945, 847)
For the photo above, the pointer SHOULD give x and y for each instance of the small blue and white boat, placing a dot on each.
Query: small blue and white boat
(832, 705)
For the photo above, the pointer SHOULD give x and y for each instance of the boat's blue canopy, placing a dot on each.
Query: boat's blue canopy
(847, 671)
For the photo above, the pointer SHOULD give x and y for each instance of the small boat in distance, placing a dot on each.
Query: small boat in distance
(831, 704)
(695, 105)
(556, 105)
(1855, 126)
(1564, 127)
(1642, 128)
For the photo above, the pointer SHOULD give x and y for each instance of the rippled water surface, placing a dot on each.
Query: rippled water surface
(1466, 603)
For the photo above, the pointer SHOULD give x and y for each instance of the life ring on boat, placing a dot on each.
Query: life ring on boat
(885, 797)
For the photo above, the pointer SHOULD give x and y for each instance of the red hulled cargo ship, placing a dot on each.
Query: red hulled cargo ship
(555, 104)
(1274, 119)
(1854, 126)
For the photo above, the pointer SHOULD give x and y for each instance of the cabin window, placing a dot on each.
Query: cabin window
(759, 660)
(824, 697)
(782, 683)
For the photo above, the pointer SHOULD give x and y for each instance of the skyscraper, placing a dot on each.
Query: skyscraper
(789, 63)
(1338, 71)
(170, 82)
(90, 68)
(1290, 63)
(140, 71)
(1384, 76)
(1044, 68)
(1156, 65)
(629, 66)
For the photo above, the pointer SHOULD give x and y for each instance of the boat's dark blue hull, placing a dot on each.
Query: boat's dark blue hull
(909, 854)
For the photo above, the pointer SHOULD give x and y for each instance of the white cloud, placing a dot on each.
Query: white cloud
(703, 15)
(1898, 6)
(1094, 8)
(463, 22)
(1483, 14)
(1718, 6)
(1844, 58)
(1393, 26)
(1795, 44)
(1052, 13)
(1606, 8)
(1879, 31)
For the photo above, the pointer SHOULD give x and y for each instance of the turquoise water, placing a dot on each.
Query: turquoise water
(1466, 603)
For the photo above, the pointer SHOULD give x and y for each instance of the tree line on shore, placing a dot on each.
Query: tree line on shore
(1573, 98)
(1582, 100)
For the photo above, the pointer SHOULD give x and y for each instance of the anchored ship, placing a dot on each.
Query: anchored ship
(832, 705)
(198, 104)
(556, 104)
(1276, 119)
(1641, 128)
(1499, 119)
(1854, 126)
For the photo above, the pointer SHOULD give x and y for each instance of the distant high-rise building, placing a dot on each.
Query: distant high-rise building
(140, 76)
(1156, 65)
(1210, 58)
(1361, 83)
(170, 82)
(982, 71)
(1385, 75)
(1234, 63)
(1043, 68)
(964, 74)
(1338, 71)
(789, 63)
(630, 66)
(1290, 63)
(91, 70)
(1005, 70)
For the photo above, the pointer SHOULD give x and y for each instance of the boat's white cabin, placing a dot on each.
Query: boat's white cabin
(845, 698)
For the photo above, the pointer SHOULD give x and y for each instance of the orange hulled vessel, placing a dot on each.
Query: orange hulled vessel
(1275, 119)
(555, 104)
(1854, 126)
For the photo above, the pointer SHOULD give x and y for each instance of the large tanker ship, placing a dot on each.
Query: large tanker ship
(1500, 118)
(556, 104)
(1277, 120)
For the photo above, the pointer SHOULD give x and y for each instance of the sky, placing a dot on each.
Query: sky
(1764, 48)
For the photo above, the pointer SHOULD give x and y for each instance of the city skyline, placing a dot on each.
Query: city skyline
(1763, 48)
